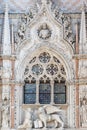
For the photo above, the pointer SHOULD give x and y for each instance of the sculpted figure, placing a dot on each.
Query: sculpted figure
(5, 113)
(44, 32)
(67, 22)
(28, 119)
(50, 113)
(84, 110)
(21, 30)
(83, 70)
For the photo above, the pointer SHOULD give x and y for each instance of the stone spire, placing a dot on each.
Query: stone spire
(83, 41)
(6, 33)
(44, 1)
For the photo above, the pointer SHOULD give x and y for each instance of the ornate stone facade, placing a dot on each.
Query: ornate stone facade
(43, 65)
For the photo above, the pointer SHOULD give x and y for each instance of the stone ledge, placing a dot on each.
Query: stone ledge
(80, 56)
(75, 129)
(5, 57)
(57, 129)
(24, 106)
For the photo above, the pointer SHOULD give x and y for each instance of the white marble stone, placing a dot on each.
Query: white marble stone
(42, 28)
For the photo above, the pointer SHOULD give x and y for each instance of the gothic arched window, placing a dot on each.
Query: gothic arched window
(45, 79)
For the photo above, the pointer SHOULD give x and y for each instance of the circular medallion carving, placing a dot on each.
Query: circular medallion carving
(52, 69)
(44, 32)
(44, 57)
(37, 69)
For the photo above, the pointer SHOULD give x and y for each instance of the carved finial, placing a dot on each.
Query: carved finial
(83, 46)
(6, 32)
(83, 7)
(44, 1)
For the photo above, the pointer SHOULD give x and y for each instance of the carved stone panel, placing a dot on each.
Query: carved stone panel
(47, 116)
(83, 106)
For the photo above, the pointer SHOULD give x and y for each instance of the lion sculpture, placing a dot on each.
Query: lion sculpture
(50, 113)
(28, 119)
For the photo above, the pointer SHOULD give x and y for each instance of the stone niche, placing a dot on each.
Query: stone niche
(42, 117)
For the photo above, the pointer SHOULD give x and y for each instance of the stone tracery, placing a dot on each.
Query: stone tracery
(43, 73)
(45, 65)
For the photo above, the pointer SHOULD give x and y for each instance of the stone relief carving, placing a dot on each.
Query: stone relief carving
(65, 20)
(21, 34)
(47, 116)
(28, 123)
(83, 69)
(83, 111)
(21, 30)
(83, 72)
(44, 31)
(5, 113)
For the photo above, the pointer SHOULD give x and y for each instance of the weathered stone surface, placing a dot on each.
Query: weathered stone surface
(43, 43)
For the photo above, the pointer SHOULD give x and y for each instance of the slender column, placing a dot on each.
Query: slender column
(77, 77)
(37, 91)
(12, 78)
(12, 39)
(77, 40)
(0, 102)
(12, 96)
(52, 92)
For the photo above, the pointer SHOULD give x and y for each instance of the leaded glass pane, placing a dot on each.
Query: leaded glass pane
(30, 88)
(59, 98)
(59, 88)
(30, 98)
(30, 93)
(44, 93)
(59, 93)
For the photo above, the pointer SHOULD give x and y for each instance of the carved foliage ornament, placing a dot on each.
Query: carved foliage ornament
(44, 31)
(65, 20)
(24, 21)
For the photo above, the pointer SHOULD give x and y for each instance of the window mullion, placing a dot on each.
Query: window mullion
(52, 91)
(37, 91)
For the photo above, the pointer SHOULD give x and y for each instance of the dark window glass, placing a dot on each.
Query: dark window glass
(59, 93)
(44, 93)
(30, 93)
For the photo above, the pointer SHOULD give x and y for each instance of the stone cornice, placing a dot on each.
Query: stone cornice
(17, 15)
(62, 106)
(80, 56)
(80, 81)
(5, 57)
(11, 82)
